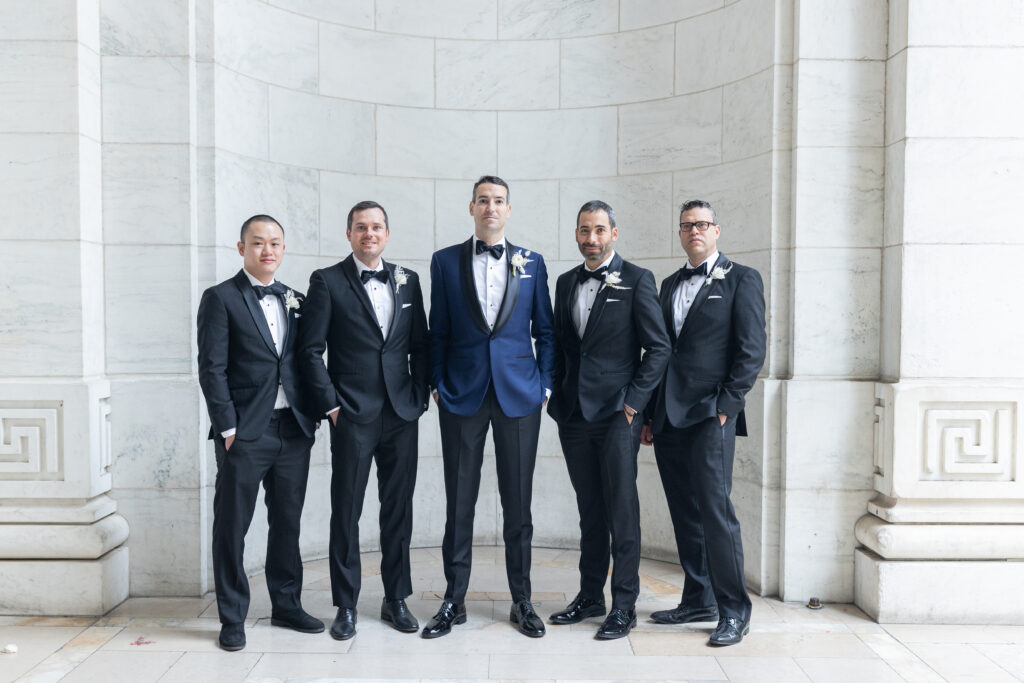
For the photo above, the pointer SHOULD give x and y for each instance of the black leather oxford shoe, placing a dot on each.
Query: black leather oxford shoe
(618, 624)
(344, 626)
(685, 615)
(729, 632)
(298, 620)
(232, 637)
(523, 616)
(579, 609)
(396, 613)
(447, 616)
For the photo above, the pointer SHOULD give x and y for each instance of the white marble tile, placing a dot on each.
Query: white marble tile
(838, 197)
(267, 43)
(371, 665)
(675, 133)
(527, 78)
(846, 670)
(145, 99)
(320, 132)
(763, 670)
(758, 644)
(845, 29)
(38, 20)
(606, 667)
(546, 19)
(357, 13)
(424, 143)
(617, 68)
(39, 87)
(35, 644)
(947, 22)
(841, 103)
(144, 183)
(557, 144)
(69, 655)
(439, 19)
(224, 667)
(376, 67)
(1009, 657)
(241, 114)
(640, 13)
(747, 120)
(126, 667)
(724, 46)
(961, 663)
(902, 660)
(40, 167)
(895, 98)
(132, 28)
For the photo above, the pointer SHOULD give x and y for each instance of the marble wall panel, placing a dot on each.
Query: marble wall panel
(38, 20)
(141, 281)
(550, 19)
(266, 43)
(534, 221)
(670, 134)
(657, 537)
(135, 28)
(439, 19)
(835, 297)
(38, 186)
(145, 99)
(312, 131)
(351, 12)
(747, 120)
(408, 201)
(557, 144)
(948, 22)
(843, 29)
(895, 98)
(314, 538)
(295, 268)
(146, 194)
(429, 499)
(38, 87)
(555, 516)
(842, 103)
(895, 200)
(723, 46)
(937, 76)
(93, 323)
(640, 13)
(241, 114)
(375, 67)
(838, 199)
(90, 97)
(899, 17)
(203, 30)
(617, 68)
(891, 313)
(501, 75)
(425, 143)
(782, 108)
(453, 223)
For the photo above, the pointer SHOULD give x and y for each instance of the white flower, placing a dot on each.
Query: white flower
(291, 301)
(400, 278)
(718, 273)
(613, 279)
(518, 262)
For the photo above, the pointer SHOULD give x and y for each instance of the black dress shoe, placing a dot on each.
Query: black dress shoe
(441, 623)
(344, 626)
(523, 616)
(685, 615)
(579, 609)
(232, 637)
(618, 624)
(298, 620)
(396, 613)
(730, 631)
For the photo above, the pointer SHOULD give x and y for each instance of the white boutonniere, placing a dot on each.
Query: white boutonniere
(718, 273)
(612, 279)
(400, 278)
(291, 301)
(518, 262)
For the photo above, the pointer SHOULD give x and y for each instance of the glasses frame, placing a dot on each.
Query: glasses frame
(696, 226)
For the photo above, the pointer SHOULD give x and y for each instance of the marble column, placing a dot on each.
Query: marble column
(943, 537)
(61, 538)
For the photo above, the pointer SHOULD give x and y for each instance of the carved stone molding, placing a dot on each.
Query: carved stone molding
(30, 440)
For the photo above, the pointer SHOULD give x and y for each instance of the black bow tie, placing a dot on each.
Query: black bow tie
(368, 275)
(496, 250)
(686, 272)
(585, 274)
(277, 289)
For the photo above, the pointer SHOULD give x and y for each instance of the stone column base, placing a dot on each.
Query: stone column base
(65, 587)
(939, 591)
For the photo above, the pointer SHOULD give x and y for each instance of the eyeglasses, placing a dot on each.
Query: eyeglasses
(702, 226)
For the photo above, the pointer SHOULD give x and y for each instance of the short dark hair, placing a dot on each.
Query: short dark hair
(699, 204)
(492, 180)
(258, 218)
(596, 205)
(363, 206)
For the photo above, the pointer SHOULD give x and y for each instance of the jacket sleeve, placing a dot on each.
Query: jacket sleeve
(440, 323)
(313, 327)
(748, 331)
(650, 330)
(419, 347)
(213, 343)
(543, 327)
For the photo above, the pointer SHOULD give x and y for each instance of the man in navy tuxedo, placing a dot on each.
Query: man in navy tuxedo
(261, 430)
(489, 311)
(715, 314)
(368, 315)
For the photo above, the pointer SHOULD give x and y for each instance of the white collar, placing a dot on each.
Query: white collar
(254, 281)
(360, 266)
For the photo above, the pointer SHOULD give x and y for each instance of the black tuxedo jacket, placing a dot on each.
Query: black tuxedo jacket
(604, 370)
(239, 368)
(363, 369)
(718, 353)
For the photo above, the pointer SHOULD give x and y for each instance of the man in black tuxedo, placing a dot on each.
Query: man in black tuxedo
(606, 314)
(369, 316)
(248, 369)
(715, 314)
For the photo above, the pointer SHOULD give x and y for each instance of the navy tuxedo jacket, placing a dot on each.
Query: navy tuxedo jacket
(363, 369)
(466, 356)
(719, 352)
(604, 370)
(239, 367)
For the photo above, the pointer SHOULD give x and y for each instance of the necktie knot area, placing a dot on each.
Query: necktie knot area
(496, 250)
(368, 275)
(277, 289)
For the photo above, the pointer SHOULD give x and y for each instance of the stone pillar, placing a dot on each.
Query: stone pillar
(944, 534)
(61, 538)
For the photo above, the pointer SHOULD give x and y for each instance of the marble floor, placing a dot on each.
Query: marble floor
(174, 639)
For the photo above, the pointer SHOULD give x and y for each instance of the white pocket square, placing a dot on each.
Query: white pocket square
(406, 305)
(714, 297)
(524, 276)
(611, 301)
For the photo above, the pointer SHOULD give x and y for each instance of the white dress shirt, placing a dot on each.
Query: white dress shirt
(490, 276)
(586, 294)
(686, 291)
(380, 296)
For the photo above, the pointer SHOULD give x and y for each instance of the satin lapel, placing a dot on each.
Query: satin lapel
(667, 293)
(348, 266)
(253, 304)
(469, 294)
(396, 297)
(508, 303)
(703, 292)
(601, 299)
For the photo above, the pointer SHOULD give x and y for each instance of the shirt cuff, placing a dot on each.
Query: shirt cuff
(626, 405)
(228, 432)
(547, 394)
(332, 411)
